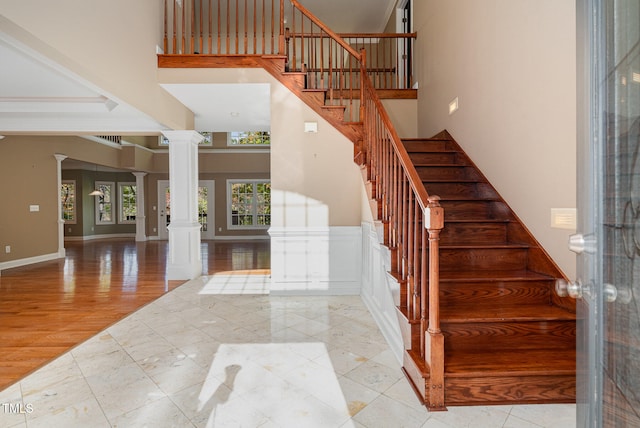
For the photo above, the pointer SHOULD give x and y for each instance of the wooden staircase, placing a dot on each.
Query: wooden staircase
(508, 337)
(479, 318)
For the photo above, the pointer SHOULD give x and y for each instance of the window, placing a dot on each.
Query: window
(104, 203)
(68, 201)
(207, 141)
(127, 205)
(249, 204)
(257, 138)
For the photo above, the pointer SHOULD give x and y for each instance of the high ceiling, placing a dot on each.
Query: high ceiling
(38, 96)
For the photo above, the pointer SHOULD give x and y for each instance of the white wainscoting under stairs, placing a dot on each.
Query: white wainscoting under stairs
(316, 260)
(380, 291)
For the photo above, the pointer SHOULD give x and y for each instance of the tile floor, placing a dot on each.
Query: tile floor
(219, 352)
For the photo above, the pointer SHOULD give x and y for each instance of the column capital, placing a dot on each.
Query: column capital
(189, 136)
(139, 174)
(59, 157)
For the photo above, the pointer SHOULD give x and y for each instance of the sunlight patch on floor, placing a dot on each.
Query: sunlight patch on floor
(268, 375)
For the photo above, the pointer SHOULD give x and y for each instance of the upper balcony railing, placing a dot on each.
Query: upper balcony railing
(279, 27)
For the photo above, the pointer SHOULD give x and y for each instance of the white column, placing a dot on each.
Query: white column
(61, 250)
(140, 202)
(184, 261)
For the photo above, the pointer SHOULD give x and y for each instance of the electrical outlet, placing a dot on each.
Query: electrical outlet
(7, 249)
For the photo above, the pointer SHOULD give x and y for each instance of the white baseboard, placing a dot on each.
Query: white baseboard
(97, 237)
(28, 261)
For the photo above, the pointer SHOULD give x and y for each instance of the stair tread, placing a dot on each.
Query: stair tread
(472, 313)
(506, 275)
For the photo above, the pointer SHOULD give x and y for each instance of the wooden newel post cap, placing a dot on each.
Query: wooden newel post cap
(434, 214)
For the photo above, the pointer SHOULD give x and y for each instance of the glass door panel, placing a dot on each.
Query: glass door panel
(608, 165)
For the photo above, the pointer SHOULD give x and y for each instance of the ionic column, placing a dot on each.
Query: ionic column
(184, 261)
(141, 234)
(61, 250)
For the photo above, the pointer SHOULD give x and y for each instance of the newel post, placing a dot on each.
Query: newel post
(434, 339)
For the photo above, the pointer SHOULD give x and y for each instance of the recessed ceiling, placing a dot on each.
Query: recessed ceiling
(226, 107)
(352, 16)
(38, 96)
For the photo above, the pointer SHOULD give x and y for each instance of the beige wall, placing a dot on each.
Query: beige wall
(512, 66)
(28, 169)
(28, 177)
(404, 116)
(113, 46)
(314, 181)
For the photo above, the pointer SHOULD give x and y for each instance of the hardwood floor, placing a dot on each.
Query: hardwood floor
(48, 308)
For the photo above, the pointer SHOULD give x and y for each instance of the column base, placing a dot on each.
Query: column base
(184, 261)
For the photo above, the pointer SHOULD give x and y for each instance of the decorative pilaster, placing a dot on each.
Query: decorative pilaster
(61, 251)
(184, 261)
(140, 212)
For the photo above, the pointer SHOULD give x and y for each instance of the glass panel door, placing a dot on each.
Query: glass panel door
(609, 206)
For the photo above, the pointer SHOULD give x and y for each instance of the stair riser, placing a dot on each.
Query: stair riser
(426, 146)
(473, 233)
(435, 158)
(474, 210)
(474, 337)
(482, 259)
(462, 391)
(446, 173)
(487, 293)
(460, 190)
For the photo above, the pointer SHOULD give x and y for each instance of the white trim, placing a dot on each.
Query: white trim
(27, 261)
(96, 237)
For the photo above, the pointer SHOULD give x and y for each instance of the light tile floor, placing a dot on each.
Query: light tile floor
(201, 356)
